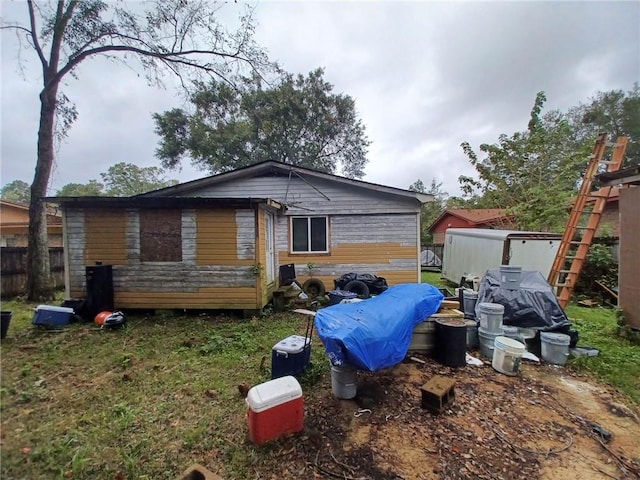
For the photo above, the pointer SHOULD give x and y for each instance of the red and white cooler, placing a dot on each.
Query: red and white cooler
(276, 408)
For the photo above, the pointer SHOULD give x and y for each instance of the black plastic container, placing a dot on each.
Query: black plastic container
(450, 346)
(5, 320)
(99, 280)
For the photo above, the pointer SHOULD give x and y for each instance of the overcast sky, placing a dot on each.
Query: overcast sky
(425, 76)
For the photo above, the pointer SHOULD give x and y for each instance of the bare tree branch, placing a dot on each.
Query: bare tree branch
(172, 57)
(34, 36)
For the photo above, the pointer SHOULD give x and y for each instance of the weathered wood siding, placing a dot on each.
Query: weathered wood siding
(369, 231)
(341, 199)
(216, 270)
(383, 245)
(105, 240)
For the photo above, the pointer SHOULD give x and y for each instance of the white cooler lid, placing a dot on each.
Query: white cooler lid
(272, 393)
(53, 308)
(292, 344)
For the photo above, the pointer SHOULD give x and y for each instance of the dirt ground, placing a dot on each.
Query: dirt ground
(545, 423)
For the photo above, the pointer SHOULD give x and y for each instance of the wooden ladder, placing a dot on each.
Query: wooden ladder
(584, 219)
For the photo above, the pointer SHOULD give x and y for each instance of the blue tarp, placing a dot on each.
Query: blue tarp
(376, 333)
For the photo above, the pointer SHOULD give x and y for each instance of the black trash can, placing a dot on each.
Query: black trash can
(5, 318)
(450, 346)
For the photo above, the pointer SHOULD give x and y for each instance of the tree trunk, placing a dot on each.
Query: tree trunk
(39, 282)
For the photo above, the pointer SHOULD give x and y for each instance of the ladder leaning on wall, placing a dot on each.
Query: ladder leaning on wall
(584, 219)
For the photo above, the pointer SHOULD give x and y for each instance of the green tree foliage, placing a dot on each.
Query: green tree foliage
(298, 121)
(600, 266)
(430, 210)
(120, 180)
(91, 189)
(532, 174)
(181, 37)
(126, 179)
(16, 191)
(615, 112)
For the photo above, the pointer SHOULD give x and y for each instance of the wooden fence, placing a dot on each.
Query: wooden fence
(13, 269)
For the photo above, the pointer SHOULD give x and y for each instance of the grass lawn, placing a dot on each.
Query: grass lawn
(148, 400)
(145, 401)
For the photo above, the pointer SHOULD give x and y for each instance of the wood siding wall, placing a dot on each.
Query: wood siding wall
(383, 245)
(216, 271)
(369, 232)
(327, 198)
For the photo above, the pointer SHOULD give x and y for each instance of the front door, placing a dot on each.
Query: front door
(271, 250)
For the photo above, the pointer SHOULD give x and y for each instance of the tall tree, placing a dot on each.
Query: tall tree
(91, 189)
(299, 121)
(16, 191)
(430, 210)
(615, 112)
(178, 36)
(533, 174)
(126, 179)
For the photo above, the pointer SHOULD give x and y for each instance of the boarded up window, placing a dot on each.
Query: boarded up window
(160, 235)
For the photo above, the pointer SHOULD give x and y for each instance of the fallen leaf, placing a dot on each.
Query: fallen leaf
(26, 450)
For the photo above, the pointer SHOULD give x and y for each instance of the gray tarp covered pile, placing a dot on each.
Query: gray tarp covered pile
(533, 305)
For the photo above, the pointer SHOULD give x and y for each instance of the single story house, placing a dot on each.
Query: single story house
(469, 218)
(218, 242)
(629, 198)
(14, 225)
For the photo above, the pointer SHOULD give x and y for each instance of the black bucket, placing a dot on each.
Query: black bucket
(451, 342)
(5, 319)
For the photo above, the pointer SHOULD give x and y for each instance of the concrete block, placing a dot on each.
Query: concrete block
(438, 393)
(198, 472)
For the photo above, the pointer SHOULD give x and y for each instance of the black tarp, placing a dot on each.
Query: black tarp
(533, 305)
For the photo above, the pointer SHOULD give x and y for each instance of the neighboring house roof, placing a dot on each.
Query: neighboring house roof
(279, 168)
(53, 215)
(474, 216)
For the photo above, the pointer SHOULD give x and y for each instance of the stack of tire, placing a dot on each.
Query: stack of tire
(362, 284)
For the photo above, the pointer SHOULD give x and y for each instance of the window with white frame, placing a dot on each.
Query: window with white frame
(309, 234)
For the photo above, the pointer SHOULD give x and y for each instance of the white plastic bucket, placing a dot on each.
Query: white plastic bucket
(487, 341)
(510, 277)
(490, 316)
(344, 381)
(554, 347)
(507, 355)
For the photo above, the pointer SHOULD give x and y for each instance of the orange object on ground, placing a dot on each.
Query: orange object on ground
(101, 317)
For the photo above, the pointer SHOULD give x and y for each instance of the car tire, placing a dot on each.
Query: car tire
(357, 287)
(314, 288)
